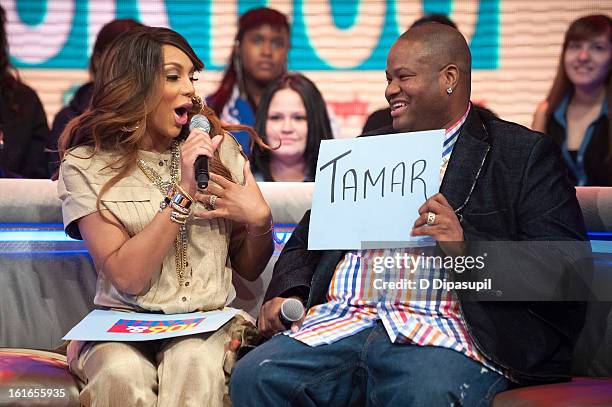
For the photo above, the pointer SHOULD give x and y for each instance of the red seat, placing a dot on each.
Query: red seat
(580, 392)
(36, 378)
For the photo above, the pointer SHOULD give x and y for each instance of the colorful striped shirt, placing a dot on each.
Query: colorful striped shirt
(367, 287)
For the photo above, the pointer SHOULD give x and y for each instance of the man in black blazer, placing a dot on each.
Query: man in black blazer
(503, 182)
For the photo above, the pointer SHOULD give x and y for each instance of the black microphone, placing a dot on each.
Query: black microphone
(201, 163)
(291, 310)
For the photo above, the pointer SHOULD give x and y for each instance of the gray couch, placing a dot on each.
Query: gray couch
(48, 286)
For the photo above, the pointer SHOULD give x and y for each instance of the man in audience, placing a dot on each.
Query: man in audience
(501, 182)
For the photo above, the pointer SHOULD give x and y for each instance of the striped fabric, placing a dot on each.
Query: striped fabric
(357, 299)
(450, 138)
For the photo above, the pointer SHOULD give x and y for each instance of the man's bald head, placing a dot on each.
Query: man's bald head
(428, 75)
(442, 43)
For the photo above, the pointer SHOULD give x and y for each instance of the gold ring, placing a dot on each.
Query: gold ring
(211, 200)
(431, 218)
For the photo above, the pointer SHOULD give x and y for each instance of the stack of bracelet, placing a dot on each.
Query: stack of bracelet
(180, 202)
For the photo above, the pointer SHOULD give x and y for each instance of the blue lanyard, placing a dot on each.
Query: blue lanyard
(577, 167)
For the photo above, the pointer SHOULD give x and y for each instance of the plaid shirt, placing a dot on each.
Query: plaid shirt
(356, 301)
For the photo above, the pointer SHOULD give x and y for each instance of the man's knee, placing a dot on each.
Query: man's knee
(257, 377)
(435, 394)
(247, 372)
(438, 387)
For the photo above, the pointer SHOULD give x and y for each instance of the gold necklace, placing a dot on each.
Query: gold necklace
(180, 242)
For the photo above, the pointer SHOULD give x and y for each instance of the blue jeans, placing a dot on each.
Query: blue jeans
(363, 369)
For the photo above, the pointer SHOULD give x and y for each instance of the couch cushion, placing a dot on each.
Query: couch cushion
(596, 205)
(44, 294)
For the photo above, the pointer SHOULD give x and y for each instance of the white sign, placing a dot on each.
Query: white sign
(106, 325)
(368, 189)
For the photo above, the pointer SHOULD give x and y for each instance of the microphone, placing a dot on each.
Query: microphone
(291, 310)
(200, 166)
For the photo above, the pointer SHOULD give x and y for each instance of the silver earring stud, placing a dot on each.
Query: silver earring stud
(449, 90)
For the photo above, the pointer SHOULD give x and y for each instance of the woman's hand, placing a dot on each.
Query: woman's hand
(239, 203)
(197, 143)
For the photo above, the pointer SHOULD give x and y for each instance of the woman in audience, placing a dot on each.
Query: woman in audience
(576, 112)
(23, 122)
(159, 245)
(259, 56)
(82, 96)
(293, 116)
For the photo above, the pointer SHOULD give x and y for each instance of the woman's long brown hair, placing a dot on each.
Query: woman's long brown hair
(127, 87)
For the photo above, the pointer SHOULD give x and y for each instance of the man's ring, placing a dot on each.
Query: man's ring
(431, 218)
(211, 200)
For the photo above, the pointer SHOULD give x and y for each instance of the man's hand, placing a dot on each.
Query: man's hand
(269, 322)
(445, 226)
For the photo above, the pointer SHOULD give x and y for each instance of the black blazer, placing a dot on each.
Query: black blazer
(505, 182)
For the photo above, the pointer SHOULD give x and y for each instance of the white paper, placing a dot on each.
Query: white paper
(368, 190)
(106, 325)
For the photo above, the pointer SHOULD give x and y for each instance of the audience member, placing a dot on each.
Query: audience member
(259, 56)
(82, 96)
(131, 149)
(23, 123)
(576, 112)
(292, 115)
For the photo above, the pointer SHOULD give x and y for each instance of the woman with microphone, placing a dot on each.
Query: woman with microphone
(159, 244)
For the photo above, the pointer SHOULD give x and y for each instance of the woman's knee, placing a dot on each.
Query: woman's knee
(119, 363)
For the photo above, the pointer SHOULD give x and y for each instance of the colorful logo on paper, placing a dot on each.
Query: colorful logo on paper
(137, 326)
